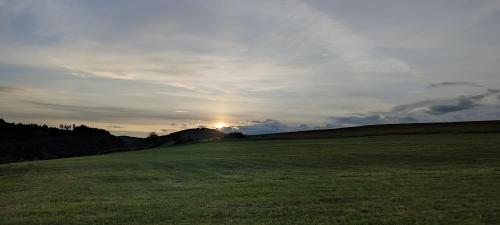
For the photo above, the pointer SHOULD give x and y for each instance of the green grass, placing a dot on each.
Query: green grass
(401, 179)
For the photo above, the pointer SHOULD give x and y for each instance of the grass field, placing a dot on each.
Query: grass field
(400, 179)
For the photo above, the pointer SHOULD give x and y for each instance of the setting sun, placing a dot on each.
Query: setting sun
(220, 125)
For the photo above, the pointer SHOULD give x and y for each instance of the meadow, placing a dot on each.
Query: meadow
(393, 179)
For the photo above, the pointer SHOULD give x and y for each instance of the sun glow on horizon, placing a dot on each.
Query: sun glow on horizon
(220, 125)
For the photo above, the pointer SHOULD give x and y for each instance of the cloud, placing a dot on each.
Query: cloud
(459, 83)
(288, 41)
(105, 113)
(301, 32)
(9, 89)
(267, 126)
(258, 127)
(424, 111)
(370, 119)
(462, 103)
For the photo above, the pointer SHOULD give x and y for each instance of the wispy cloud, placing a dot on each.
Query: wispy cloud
(423, 111)
(8, 89)
(104, 113)
(462, 103)
(322, 44)
(456, 83)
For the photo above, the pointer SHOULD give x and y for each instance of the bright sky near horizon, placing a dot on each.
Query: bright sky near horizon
(133, 67)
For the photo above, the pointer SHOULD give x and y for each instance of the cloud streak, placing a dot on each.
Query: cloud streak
(108, 112)
(457, 83)
(462, 103)
(9, 89)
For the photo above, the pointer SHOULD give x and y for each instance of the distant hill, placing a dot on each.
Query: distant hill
(192, 135)
(130, 141)
(179, 137)
(390, 129)
(135, 142)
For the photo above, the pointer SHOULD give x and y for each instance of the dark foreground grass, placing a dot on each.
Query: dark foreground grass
(410, 179)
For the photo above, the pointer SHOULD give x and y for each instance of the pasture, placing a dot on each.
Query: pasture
(394, 179)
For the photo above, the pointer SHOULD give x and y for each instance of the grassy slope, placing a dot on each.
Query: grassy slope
(492, 126)
(404, 179)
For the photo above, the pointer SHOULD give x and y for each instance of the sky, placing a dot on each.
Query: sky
(133, 67)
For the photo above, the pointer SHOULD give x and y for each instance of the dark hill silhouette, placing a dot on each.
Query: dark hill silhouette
(192, 135)
(21, 142)
(180, 137)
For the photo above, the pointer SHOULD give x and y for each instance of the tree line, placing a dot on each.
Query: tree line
(21, 142)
